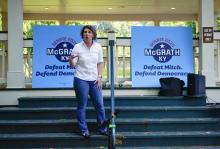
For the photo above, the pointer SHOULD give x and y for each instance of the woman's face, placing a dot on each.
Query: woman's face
(87, 34)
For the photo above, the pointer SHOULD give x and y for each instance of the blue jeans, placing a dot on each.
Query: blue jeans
(82, 90)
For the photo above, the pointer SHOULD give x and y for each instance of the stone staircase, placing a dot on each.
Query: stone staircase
(150, 122)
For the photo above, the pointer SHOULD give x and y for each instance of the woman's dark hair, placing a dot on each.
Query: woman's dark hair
(90, 28)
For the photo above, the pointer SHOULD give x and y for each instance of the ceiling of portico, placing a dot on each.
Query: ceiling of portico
(111, 7)
(118, 6)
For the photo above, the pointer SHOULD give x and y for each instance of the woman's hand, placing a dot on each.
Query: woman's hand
(73, 59)
(99, 82)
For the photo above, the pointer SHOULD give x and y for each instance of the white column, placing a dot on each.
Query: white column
(206, 63)
(15, 74)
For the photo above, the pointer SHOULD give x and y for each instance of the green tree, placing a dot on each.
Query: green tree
(218, 22)
(0, 22)
(193, 25)
(29, 25)
(76, 23)
(103, 28)
(181, 23)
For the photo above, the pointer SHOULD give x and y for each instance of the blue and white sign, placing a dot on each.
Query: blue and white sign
(159, 52)
(52, 46)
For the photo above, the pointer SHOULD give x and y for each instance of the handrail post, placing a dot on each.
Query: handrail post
(112, 140)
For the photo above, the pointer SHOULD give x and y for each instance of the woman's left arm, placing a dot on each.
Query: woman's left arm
(99, 67)
(99, 79)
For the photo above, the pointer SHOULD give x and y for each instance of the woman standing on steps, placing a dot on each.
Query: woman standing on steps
(87, 59)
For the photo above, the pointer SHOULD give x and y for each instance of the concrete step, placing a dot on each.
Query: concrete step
(123, 125)
(177, 138)
(71, 101)
(14, 113)
(156, 147)
(124, 139)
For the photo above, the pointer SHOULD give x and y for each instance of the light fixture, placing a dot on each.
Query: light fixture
(109, 8)
(173, 8)
(46, 8)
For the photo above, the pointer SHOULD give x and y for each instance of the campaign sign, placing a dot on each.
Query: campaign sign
(52, 46)
(160, 52)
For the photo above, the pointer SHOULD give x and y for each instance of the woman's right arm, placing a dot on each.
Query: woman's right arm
(73, 58)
